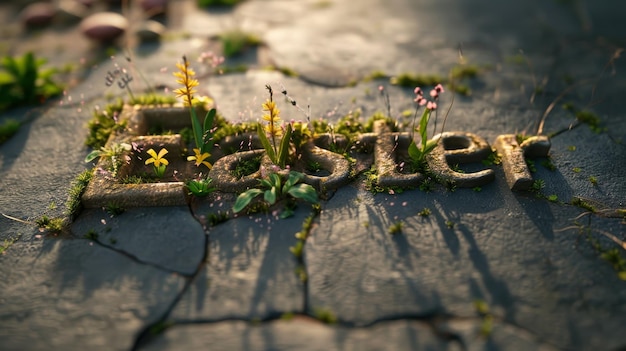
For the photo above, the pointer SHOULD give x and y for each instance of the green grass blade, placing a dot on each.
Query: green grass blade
(266, 144)
(283, 151)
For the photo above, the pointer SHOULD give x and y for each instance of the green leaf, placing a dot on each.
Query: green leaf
(430, 145)
(275, 180)
(266, 144)
(197, 128)
(304, 191)
(414, 152)
(93, 155)
(283, 151)
(207, 144)
(244, 199)
(294, 178)
(266, 183)
(424, 127)
(270, 195)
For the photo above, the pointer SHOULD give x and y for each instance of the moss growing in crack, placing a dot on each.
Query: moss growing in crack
(114, 209)
(297, 249)
(325, 315)
(425, 212)
(7, 244)
(52, 225)
(482, 309)
(247, 167)
(591, 119)
(410, 80)
(91, 235)
(103, 123)
(579, 202)
(159, 327)
(214, 219)
(234, 42)
(72, 205)
(395, 228)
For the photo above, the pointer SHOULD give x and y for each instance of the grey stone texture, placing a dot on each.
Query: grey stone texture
(165, 279)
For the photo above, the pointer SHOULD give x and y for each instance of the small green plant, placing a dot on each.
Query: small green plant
(105, 122)
(492, 159)
(531, 165)
(214, 219)
(297, 249)
(200, 187)
(277, 145)
(325, 315)
(427, 185)
(275, 189)
(576, 169)
(8, 128)
(416, 153)
(477, 189)
(24, 81)
(538, 185)
(246, 167)
(571, 148)
(449, 224)
(579, 202)
(396, 228)
(91, 235)
(593, 180)
(112, 153)
(553, 198)
(53, 225)
(482, 308)
(425, 212)
(114, 209)
(7, 243)
(158, 161)
(236, 41)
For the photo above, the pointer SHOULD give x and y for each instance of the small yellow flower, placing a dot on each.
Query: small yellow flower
(272, 118)
(200, 158)
(185, 78)
(157, 159)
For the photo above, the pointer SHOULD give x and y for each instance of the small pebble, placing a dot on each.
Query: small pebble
(104, 27)
(38, 14)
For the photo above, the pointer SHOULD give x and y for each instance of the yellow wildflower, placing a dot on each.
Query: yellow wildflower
(200, 158)
(272, 117)
(157, 159)
(185, 78)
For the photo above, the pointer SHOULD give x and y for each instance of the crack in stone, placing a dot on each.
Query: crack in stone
(138, 260)
(147, 334)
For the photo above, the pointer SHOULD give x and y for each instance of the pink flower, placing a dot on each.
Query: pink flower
(420, 101)
(439, 88)
(431, 105)
(418, 91)
(381, 88)
(434, 94)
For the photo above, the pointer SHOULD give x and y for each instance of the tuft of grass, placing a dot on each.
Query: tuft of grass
(553, 198)
(8, 128)
(410, 80)
(593, 180)
(235, 42)
(396, 228)
(72, 205)
(247, 167)
(425, 212)
(325, 315)
(6, 244)
(449, 224)
(591, 119)
(103, 123)
(576, 201)
(214, 219)
(53, 225)
(114, 209)
(91, 235)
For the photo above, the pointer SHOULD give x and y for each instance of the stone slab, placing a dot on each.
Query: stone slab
(492, 245)
(302, 333)
(250, 272)
(75, 295)
(166, 237)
